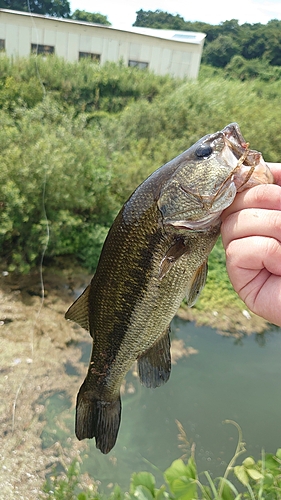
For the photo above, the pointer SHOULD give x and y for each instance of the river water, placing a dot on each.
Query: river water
(225, 379)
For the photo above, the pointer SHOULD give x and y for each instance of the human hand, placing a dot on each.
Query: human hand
(251, 235)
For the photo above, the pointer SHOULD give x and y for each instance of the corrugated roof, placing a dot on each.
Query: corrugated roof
(176, 36)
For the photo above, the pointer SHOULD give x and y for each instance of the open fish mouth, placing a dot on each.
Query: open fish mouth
(247, 168)
(251, 168)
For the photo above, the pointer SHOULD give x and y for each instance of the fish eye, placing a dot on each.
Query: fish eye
(203, 151)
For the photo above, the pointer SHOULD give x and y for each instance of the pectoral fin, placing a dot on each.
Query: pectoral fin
(79, 310)
(155, 365)
(173, 254)
(197, 284)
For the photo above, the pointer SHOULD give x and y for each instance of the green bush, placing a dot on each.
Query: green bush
(85, 85)
(248, 69)
(54, 174)
(77, 139)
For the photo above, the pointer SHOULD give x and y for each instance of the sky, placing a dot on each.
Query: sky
(122, 13)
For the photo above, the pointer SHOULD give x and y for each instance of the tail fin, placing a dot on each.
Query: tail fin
(99, 419)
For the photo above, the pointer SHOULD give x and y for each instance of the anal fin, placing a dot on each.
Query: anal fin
(197, 284)
(154, 365)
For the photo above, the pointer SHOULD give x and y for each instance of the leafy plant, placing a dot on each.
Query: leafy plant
(259, 480)
(66, 486)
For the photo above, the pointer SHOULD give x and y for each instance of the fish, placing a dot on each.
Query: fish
(154, 256)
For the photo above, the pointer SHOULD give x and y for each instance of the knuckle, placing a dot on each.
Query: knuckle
(273, 247)
(275, 221)
(227, 226)
(261, 194)
(266, 194)
(231, 252)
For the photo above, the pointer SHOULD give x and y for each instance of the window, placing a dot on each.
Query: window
(138, 64)
(2, 45)
(46, 50)
(89, 55)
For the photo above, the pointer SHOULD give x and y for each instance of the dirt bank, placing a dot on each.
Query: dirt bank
(39, 356)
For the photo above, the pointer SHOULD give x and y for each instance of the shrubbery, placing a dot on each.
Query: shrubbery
(76, 140)
(245, 69)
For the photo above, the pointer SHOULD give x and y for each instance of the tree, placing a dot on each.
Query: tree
(159, 20)
(90, 17)
(56, 8)
(273, 42)
(219, 52)
(253, 40)
(11, 4)
(229, 28)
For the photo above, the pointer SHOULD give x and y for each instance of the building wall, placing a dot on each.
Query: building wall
(69, 38)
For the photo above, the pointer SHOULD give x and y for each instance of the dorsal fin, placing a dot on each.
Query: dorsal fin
(79, 310)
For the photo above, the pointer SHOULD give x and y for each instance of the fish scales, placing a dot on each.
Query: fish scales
(149, 306)
(155, 254)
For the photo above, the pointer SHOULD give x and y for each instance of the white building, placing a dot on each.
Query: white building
(177, 53)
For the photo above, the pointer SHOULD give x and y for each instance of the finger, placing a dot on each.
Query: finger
(262, 196)
(254, 267)
(276, 171)
(251, 222)
(250, 255)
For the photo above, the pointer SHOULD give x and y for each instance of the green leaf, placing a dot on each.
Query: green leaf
(268, 480)
(278, 453)
(241, 474)
(176, 470)
(143, 479)
(185, 489)
(116, 493)
(248, 462)
(143, 493)
(271, 462)
(227, 493)
(161, 494)
(254, 474)
(191, 470)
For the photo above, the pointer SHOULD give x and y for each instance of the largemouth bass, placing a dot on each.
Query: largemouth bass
(155, 254)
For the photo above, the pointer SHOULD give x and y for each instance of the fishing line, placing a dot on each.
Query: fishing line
(41, 263)
(45, 246)
(37, 45)
(41, 301)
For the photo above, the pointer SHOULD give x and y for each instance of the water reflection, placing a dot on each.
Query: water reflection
(264, 337)
(226, 378)
(54, 405)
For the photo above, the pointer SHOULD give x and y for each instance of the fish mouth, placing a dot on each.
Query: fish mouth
(248, 169)
(251, 168)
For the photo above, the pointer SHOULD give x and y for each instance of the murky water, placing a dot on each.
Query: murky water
(226, 379)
